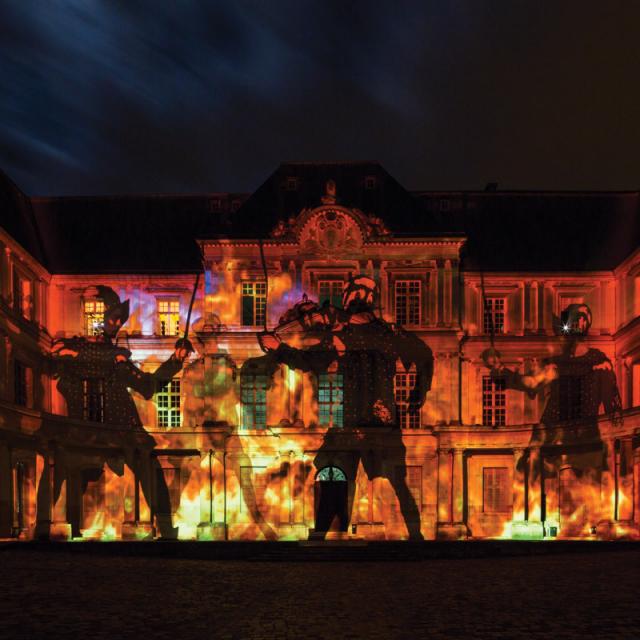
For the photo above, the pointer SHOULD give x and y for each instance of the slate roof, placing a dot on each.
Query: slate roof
(17, 218)
(505, 230)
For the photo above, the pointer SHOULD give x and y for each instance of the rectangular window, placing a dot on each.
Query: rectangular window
(93, 399)
(330, 400)
(330, 291)
(494, 401)
(407, 406)
(168, 405)
(93, 317)
(254, 303)
(370, 182)
(21, 384)
(495, 490)
(494, 310)
(570, 397)
(22, 295)
(253, 395)
(408, 300)
(291, 184)
(169, 317)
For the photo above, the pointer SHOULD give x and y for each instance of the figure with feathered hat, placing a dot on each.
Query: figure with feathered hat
(94, 376)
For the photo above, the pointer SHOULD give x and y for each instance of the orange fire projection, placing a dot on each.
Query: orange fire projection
(449, 477)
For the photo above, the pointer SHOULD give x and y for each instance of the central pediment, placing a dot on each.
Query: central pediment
(331, 228)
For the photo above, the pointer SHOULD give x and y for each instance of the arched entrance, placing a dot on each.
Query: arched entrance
(331, 500)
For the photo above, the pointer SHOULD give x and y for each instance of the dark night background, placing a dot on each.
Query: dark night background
(148, 96)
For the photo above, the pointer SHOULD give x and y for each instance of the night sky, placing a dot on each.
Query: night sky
(152, 96)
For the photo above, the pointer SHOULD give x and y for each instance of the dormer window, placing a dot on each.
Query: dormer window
(215, 205)
(370, 183)
(291, 184)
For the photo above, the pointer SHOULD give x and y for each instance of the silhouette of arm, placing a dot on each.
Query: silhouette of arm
(609, 392)
(316, 359)
(147, 384)
(413, 351)
(532, 383)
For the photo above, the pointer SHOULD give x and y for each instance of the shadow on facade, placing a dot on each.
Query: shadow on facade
(355, 358)
(566, 448)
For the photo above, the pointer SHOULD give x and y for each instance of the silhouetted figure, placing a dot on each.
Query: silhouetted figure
(353, 343)
(576, 383)
(94, 376)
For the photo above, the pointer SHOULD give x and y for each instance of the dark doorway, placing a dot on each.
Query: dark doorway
(331, 500)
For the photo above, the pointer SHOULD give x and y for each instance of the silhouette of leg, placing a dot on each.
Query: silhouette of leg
(144, 468)
(408, 506)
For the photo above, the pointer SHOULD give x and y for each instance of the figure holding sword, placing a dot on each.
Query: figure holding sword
(94, 377)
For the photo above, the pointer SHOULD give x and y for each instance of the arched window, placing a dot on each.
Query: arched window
(331, 474)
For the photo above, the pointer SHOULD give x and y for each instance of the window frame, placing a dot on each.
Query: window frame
(408, 296)
(170, 313)
(489, 311)
(87, 314)
(258, 311)
(333, 405)
(408, 414)
(22, 304)
(503, 503)
(166, 411)
(255, 385)
(489, 391)
(88, 407)
(331, 282)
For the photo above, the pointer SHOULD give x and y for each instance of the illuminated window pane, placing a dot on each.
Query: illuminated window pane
(168, 405)
(253, 396)
(93, 399)
(494, 310)
(494, 402)
(331, 474)
(254, 303)
(169, 317)
(408, 297)
(330, 291)
(330, 400)
(407, 402)
(93, 317)
(496, 490)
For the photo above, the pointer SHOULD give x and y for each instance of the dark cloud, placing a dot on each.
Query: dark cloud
(99, 97)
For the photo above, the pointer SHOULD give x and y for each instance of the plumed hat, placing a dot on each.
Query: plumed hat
(112, 305)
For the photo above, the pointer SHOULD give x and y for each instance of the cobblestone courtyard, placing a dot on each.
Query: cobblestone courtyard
(55, 595)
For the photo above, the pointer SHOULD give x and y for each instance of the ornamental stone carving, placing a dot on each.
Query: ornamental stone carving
(330, 231)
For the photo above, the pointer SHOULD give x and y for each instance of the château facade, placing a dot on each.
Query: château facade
(247, 452)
